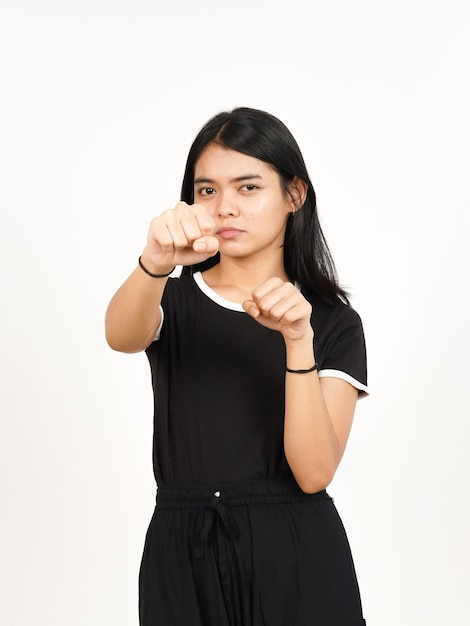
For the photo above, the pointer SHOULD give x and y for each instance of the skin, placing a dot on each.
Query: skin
(241, 211)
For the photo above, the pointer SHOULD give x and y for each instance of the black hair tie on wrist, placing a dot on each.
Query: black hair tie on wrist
(142, 266)
(312, 369)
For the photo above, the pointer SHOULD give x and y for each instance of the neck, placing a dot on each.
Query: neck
(236, 275)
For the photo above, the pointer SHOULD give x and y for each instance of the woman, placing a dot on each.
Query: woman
(257, 362)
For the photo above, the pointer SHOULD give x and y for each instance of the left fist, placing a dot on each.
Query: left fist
(280, 306)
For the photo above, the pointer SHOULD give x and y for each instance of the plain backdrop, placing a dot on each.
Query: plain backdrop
(99, 102)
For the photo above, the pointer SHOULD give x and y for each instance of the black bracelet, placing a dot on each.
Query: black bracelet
(150, 273)
(312, 369)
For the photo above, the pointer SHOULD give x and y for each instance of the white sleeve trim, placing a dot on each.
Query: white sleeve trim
(349, 379)
(159, 329)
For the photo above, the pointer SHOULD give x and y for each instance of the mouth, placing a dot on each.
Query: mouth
(228, 232)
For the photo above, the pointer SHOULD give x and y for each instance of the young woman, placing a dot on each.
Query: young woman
(257, 362)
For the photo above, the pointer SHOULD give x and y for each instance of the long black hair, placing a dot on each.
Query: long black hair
(258, 134)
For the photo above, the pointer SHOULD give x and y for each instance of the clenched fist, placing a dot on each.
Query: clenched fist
(279, 305)
(184, 235)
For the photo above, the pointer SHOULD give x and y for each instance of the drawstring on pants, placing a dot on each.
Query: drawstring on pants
(215, 509)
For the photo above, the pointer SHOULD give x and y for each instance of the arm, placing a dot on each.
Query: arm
(318, 420)
(318, 414)
(181, 236)
(133, 315)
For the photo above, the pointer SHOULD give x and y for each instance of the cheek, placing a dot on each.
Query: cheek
(205, 202)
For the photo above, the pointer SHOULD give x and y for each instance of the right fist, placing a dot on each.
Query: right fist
(184, 235)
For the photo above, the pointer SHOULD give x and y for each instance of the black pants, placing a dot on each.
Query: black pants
(258, 553)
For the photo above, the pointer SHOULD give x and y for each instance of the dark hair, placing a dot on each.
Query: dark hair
(258, 134)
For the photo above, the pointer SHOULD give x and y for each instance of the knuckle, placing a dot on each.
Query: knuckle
(180, 241)
(256, 294)
(267, 310)
(164, 238)
(289, 317)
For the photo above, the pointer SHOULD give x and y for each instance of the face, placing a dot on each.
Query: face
(246, 200)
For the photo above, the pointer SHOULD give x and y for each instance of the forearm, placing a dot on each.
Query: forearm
(310, 441)
(133, 315)
(180, 236)
(318, 416)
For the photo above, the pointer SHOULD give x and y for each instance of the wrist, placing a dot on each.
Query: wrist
(300, 354)
(308, 370)
(300, 343)
(149, 267)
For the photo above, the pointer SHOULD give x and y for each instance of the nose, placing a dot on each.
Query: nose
(227, 206)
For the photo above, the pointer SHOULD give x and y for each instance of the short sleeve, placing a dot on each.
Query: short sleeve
(341, 347)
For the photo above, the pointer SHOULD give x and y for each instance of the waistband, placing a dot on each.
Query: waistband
(262, 491)
(217, 500)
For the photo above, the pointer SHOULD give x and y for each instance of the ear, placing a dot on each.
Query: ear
(297, 194)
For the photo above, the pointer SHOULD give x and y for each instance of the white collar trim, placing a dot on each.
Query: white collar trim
(210, 293)
(214, 296)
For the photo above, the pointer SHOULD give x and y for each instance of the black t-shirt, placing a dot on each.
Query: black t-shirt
(218, 378)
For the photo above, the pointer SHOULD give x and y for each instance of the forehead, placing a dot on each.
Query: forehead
(218, 163)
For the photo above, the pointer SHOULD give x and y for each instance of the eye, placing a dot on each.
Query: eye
(206, 191)
(250, 187)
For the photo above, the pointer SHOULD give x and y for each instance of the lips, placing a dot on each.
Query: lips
(228, 232)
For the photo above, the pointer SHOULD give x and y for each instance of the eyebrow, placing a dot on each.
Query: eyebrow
(202, 179)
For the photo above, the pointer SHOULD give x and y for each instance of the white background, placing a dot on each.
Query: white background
(100, 101)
